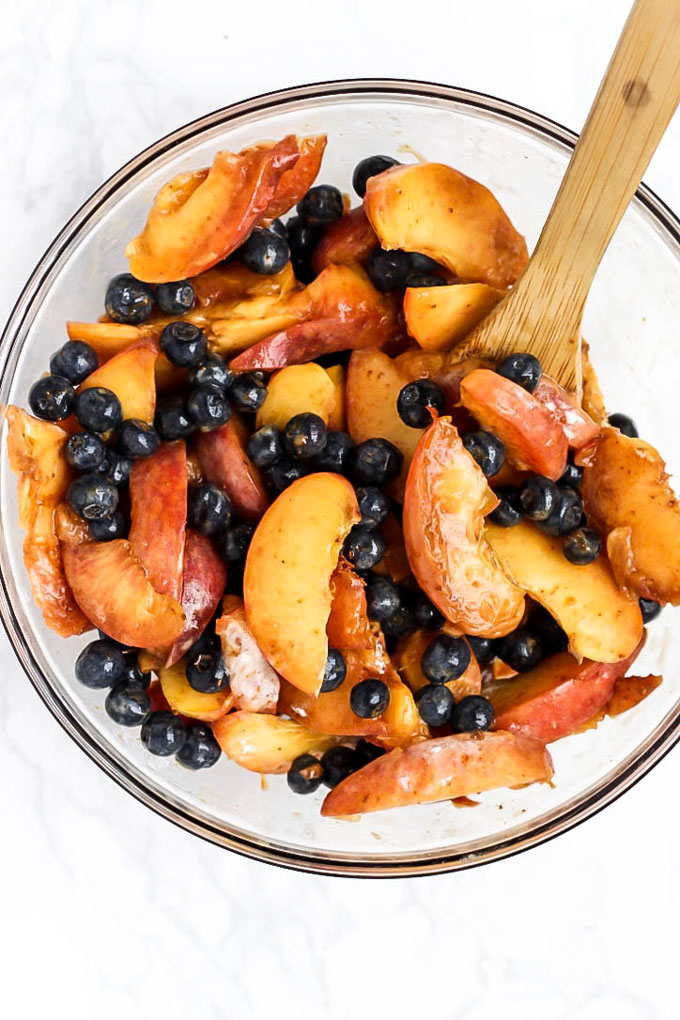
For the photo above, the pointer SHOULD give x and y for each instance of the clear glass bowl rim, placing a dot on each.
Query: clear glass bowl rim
(260, 849)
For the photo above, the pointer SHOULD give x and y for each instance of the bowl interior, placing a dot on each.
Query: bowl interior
(630, 319)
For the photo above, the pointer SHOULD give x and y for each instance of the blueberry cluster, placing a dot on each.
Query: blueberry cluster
(307, 772)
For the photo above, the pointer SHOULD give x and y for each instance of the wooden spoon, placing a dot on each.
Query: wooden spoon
(635, 102)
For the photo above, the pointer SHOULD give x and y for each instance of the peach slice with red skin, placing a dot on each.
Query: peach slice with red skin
(267, 743)
(158, 500)
(36, 455)
(441, 769)
(446, 500)
(294, 184)
(578, 427)
(254, 684)
(629, 691)
(131, 376)
(534, 440)
(199, 218)
(223, 460)
(203, 581)
(286, 584)
(349, 239)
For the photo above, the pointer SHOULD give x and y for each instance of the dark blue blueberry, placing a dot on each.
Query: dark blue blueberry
(583, 546)
(364, 547)
(98, 409)
(163, 733)
(400, 623)
(279, 227)
(200, 750)
(132, 674)
(105, 529)
(305, 774)
(74, 361)
(207, 641)
(435, 704)
(264, 446)
(374, 505)
(137, 439)
(548, 631)
(566, 517)
(370, 166)
(572, 477)
(339, 763)
(283, 473)
(233, 543)
(128, 299)
(336, 455)
(209, 508)
(92, 497)
(367, 752)
(425, 280)
(521, 649)
(376, 462)
(302, 238)
(265, 252)
(85, 451)
(415, 400)
(248, 392)
(127, 704)
(369, 698)
(472, 713)
(523, 369)
(100, 664)
(116, 468)
(539, 497)
(184, 344)
(483, 649)
(212, 371)
(624, 424)
(175, 298)
(172, 419)
(649, 609)
(508, 513)
(304, 436)
(383, 598)
(423, 264)
(321, 205)
(427, 616)
(446, 658)
(52, 398)
(335, 671)
(388, 270)
(208, 408)
(486, 449)
(207, 673)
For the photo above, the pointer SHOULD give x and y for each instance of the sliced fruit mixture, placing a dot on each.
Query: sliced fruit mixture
(312, 536)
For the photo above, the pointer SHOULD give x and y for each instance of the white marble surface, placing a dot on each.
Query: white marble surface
(107, 910)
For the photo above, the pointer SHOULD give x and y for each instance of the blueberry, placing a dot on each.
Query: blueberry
(388, 270)
(283, 473)
(105, 529)
(426, 615)
(137, 439)
(416, 398)
(208, 407)
(209, 508)
(175, 298)
(369, 698)
(279, 227)
(483, 649)
(624, 424)
(100, 664)
(264, 446)
(248, 392)
(212, 371)
(304, 436)
(649, 609)
(521, 649)
(472, 713)
(486, 449)
(583, 546)
(367, 752)
(128, 705)
(74, 361)
(163, 733)
(128, 299)
(539, 497)
(132, 674)
(184, 344)
(305, 774)
(364, 547)
(265, 252)
(302, 238)
(207, 673)
(321, 205)
(523, 369)
(85, 451)
(446, 658)
(422, 264)
(370, 166)
(572, 477)
(376, 462)
(400, 623)
(200, 750)
(508, 513)
(116, 468)
(172, 419)
(207, 641)
(336, 454)
(339, 763)
(374, 505)
(548, 631)
(51, 398)
(98, 409)
(92, 497)
(335, 671)
(435, 704)
(383, 598)
(566, 517)
(233, 542)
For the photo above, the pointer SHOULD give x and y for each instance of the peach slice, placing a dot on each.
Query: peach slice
(296, 389)
(294, 184)
(106, 338)
(286, 584)
(578, 427)
(446, 370)
(348, 625)
(434, 209)
(198, 218)
(446, 500)
(602, 622)
(203, 581)
(408, 655)
(349, 239)
(130, 375)
(441, 769)
(158, 500)
(337, 417)
(184, 700)
(629, 691)
(534, 440)
(254, 684)
(440, 317)
(593, 401)
(223, 460)
(36, 455)
(266, 743)
(628, 499)
(557, 697)
(230, 284)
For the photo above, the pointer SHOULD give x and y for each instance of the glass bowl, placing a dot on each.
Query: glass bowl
(630, 323)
